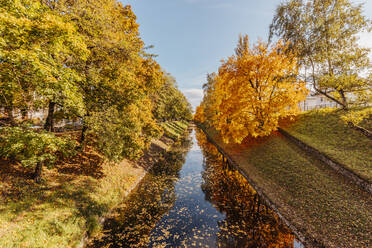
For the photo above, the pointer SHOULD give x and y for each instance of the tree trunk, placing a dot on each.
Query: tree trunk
(320, 91)
(37, 173)
(49, 123)
(24, 113)
(9, 111)
(331, 98)
(343, 97)
(83, 132)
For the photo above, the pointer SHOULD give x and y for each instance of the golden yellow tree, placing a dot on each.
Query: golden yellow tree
(254, 89)
(206, 111)
(199, 114)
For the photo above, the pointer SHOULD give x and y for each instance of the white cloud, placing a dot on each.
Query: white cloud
(194, 96)
(365, 39)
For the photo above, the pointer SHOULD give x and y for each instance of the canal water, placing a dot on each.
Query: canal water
(192, 199)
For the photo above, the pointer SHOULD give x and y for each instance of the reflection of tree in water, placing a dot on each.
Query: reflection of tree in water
(145, 206)
(248, 222)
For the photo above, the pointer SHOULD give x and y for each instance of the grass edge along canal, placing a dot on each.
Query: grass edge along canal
(325, 130)
(191, 199)
(321, 206)
(71, 202)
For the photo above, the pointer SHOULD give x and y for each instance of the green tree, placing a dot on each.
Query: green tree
(170, 103)
(84, 59)
(119, 77)
(324, 35)
(37, 47)
(34, 149)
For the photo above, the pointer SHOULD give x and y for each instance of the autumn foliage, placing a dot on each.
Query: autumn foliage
(85, 62)
(253, 89)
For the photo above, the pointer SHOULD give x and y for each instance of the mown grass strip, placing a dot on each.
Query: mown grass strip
(325, 131)
(174, 129)
(321, 204)
(340, 168)
(70, 201)
(58, 212)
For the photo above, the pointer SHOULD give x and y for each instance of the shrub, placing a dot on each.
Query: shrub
(357, 116)
(34, 149)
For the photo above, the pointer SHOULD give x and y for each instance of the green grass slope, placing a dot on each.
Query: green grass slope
(69, 201)
(325, 131)
(175, 129)
(320, 203)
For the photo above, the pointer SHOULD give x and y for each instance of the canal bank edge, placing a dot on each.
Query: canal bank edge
(327, 209)
(343, 170)
(155, 157)
(86, 237)
(306, 241)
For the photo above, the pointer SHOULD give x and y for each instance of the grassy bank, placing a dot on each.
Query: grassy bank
(70, 200)
(325, 131)
(174, 129)
(325, 207)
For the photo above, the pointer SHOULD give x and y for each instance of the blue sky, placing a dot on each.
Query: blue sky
(191, 37)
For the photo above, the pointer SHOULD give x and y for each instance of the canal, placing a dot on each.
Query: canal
(192, 199)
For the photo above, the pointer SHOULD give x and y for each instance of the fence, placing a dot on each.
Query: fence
(306, 107)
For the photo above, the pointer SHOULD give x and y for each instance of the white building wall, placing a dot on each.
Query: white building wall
(316, 102)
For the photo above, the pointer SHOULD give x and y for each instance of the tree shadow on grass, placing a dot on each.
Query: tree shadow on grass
(68, 186)
(15, 181)
(78, 195)
(152, 155)
(87, 163)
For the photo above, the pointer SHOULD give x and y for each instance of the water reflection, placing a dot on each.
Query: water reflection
(132, 223)
(248, 222)
(194, 201)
